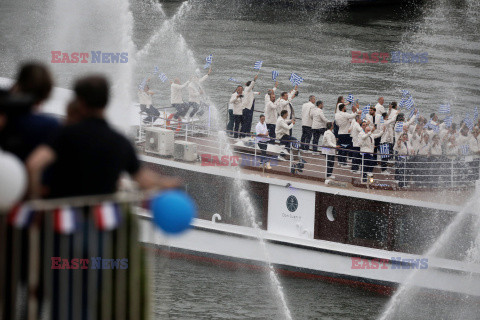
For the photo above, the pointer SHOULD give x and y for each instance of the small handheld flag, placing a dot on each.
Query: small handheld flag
(399, 126)
(405, 93)
(65, 220)
(20, 216)
(350, 98)
(258, 65)
(409, 103)
(107, 216)
(448, 121)
(155, 70)
(384, 150)
(465, 149)
(206, 66)
(274, 75)
(444, 109)
(163, 77)
(233, 80)
(475, 114)
(365, 111)
(142, 85)
(295, 79)
(209, 58)
(468, 122)
(411, 114)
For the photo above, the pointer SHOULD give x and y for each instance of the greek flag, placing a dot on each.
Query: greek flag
(409, 103)
(155, 70)
(468, 122)
(142, 85)
(475, 114)
(405, 93)
(399, 126)
(163, 77)
(350, 98)
(258, 65)
(365, 111)
(233, 80)
(274, 75)
(209, 59)
(465, 149)
(448, 121)
(411, 114)
(444, 109)
(384, 150)
(295, 79)
(206, 66)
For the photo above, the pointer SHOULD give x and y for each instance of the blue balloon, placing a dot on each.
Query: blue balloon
(173, 211)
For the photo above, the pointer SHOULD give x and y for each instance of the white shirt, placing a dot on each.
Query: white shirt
(248, 96)
(319, 121)
(356, 128)
(380, 109)
(329, 139)
(271, 112)
(369, 117)
(367, 141)
(284, 104)
(261, 129)
(176, 92)
(343, 121)
(402, 149)
(388, 135)
(237, 104)
(307, 108)
(144, 98)
(283, 127)
(194, 89)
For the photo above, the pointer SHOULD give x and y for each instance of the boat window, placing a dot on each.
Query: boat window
(331, 214)
(369, 225)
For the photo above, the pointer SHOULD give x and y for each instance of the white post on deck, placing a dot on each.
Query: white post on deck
(363, 160)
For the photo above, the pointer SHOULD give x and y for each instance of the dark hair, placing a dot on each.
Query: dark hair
(35, 80)
(262, 115)
(319, 103)
(373, 108)
(432, 115)
(296, 93)
(329, 125)
(339, 99)
(394, 104)
(93, 90)
(341, 106)
(283, 113)
(400, 117)
(283, 93)
(384, 115)
(248, 83)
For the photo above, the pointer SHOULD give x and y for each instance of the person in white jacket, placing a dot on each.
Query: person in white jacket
(343, 119)
(176, 98)
(282, 129)
(248, 107)
(271, 111)
(319, 124)
(373, 119)
(356, 127)
(403, 149)
(307, 109)
(386, 141)
(379, 106)
(236, 100)
(195, 91)
(367, 146)
(330, 142)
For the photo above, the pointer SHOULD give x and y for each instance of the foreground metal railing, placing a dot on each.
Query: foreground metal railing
(74, 258)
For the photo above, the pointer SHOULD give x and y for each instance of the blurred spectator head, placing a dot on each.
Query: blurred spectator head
(34, 80)
(92, 92)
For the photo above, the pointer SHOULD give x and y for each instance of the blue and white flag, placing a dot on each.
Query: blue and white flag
(295, 79)
(142, 85)
(409, 103)
(384, 150)
(465, 149)
(475, 114)
(448, 121)
(20, 216)
(444, 109)
(365, 111)
(155, 70)
(274, 75)
(163, 77)
(206, 66)
(233, 80)
(258, 65)
(412, 113)
(468, 122)
(209, 59)
(350, 98)
(405, 93)
(399, 126)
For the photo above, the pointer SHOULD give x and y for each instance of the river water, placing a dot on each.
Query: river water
(307, 37)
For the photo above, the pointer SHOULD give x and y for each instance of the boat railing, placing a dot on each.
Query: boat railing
(400, 171)
(73, 258)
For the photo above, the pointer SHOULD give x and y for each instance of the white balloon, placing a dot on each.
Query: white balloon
(13, 180)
